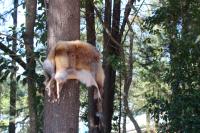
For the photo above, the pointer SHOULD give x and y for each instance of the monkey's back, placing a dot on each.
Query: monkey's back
(76, 54)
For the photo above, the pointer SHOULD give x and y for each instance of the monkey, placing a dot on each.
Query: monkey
(73, 60)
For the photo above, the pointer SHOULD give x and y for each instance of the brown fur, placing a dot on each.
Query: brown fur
(74, 60)
(75, 54)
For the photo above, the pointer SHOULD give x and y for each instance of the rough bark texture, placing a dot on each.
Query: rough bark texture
(63, 24)
(93, 120)
(63, 117)
(63, 21)
(13, 84)
(30, 67)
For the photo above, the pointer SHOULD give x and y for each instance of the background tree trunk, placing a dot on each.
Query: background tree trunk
(63, 24)
(31, 6)
(93, 120)
(109, 83)
(127, 83)
(124, 122)
(148, 120)
(13, 84)
(110, 49)
(90, 22)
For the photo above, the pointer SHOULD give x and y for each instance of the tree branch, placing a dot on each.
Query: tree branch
(11, 37)
(23, 120)
(132, 21)
(13, 55)
(128, 80)
(7, 12)
(106, 28)
(126, 14)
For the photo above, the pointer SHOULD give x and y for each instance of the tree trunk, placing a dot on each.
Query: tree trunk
(13, 84)
(127, 83)
(90, 22)
(31, 6)
(63, 24)
(148, 120)
(120, 102)
(110, 49)
(93, 120)
(124, 122)
(109, 83)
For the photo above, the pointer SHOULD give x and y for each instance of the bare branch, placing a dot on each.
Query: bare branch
(13, 38)
(28, 47)
(128, 80)
(106, 28)
(126, 14)
(22, 121)
(133, 21)
(7, 12)
(13, 55)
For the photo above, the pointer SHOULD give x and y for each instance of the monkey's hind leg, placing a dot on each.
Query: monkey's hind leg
(59, 86)
(49, 86)
(60, 78)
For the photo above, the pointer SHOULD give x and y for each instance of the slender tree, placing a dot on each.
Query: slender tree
(108, 85)
(111, 49)
(13, 84)
(63, 24)
(127, 83)
(31, 64)
(93, 120)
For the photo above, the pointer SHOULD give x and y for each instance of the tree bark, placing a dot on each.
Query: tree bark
(109, 83)
(110, 49)
(63, 24)
(13, 84)
(31, 6)
(90, 22)
(93, 120)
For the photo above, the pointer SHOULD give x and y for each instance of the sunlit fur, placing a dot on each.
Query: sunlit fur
(73, 60)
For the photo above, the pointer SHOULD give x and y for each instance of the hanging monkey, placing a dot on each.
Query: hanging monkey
(73, 60)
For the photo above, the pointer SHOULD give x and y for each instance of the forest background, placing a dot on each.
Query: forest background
(152, 64)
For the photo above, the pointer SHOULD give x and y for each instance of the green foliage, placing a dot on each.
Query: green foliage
(6, 68)
(21, 107)
(179, 20)
(165, 70)
(84, 104)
